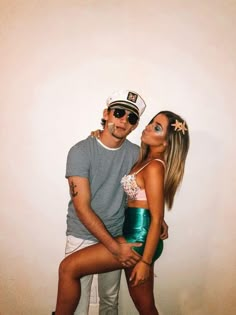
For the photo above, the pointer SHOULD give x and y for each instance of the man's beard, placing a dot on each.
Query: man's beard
(112, 129)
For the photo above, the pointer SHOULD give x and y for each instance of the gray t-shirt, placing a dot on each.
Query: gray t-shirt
(104, 167)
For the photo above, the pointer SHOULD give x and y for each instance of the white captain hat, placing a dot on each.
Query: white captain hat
(127, 99)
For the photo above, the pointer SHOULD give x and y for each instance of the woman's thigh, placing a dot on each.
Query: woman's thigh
(91, 260)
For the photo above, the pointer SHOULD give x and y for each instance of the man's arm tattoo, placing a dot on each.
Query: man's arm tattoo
(72, 189)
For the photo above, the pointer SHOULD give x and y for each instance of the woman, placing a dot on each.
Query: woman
(152, 183)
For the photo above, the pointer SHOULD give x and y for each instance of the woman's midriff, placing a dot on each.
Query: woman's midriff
(138, 204)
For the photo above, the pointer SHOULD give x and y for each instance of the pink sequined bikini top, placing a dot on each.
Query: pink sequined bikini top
(130, 186)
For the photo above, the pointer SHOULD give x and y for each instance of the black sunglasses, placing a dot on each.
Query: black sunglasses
(120, 112)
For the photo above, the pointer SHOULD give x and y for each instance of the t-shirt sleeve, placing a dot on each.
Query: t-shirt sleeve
(77, 161)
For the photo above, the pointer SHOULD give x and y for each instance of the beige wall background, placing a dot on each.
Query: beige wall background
(59, 62)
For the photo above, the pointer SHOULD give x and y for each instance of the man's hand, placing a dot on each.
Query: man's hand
(164, 230)
(126, 255)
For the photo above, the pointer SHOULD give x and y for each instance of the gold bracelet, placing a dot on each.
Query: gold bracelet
(145, 262)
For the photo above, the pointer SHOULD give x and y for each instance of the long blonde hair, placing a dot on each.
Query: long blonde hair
(174, 156)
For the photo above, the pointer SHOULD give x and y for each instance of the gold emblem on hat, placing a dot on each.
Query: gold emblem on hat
(180, 126)
(132, 97)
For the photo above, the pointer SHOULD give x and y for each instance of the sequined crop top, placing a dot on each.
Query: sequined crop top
(130, 186)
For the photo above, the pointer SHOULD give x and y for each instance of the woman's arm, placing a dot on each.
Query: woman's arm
(154, 187)
(153, 179)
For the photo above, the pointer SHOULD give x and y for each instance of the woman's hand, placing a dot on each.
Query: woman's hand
(164, 230)
(96, 133)
(140, 273)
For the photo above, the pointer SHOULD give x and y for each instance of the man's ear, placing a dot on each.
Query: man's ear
(105, 114)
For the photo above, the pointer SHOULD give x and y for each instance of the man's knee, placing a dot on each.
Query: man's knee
(108, 298)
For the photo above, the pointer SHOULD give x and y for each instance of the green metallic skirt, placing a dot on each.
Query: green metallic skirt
(136, 225)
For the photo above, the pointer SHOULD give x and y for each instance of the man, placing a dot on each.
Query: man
(96, 209)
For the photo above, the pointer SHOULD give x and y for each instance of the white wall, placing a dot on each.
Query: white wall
(59, 62)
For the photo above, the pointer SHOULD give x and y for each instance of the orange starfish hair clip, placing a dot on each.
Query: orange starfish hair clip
(180, 126)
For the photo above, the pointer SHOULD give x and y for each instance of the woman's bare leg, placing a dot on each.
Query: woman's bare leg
(90, 260)
(143, 295)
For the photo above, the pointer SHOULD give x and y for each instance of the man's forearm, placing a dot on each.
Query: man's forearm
(81, 197)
